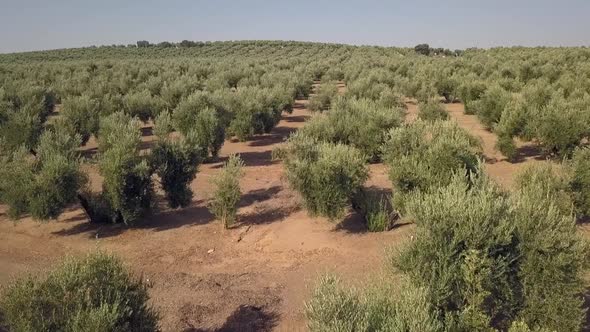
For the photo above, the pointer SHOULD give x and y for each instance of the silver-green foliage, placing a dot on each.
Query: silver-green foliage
(423, 156)
(326, 175)
(90, 293)
(176, 162)
(361, 123)
(80, 115)
(336, 308)
(323, 97)
(491, 104)
(127, 185)
(488, 258)
(432, 110)
(227, 193)
(45, 184)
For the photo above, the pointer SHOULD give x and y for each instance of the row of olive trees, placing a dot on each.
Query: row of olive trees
(45, 183)
(326, 160)
(481, 258)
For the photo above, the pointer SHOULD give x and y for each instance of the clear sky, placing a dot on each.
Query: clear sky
(49, 24)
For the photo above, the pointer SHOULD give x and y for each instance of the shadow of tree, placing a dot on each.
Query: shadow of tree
(266, 140)
(147, 131)
(246, 318)
(299, 104)
(259, 195)
(196, 214)
(88, 153)
(583, 220)
(267, 215)
(284, 132)
(353, 223)
(528, 151)
(297, 118)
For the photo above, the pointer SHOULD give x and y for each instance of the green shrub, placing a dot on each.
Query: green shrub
(424, 156)
(116, 126)
(224, 203)
(560, 126)
(327, 175)
(209, 132)
(80, 115)
(469, 91)
(552, 263)
(163, 125)
(392, 99)
(446, 86)
(580, 184)
(142, 105)
(550, 180)
(557, 124)
(432, 111)
(255, 110)
(58, 177)
(91, 293)
(45, 184)
(426, 92)
(22, 127)
(491, 104)
(366, 87)
(127, 182)
(334, 307)
(506, 146)
(17, 178)
(176, 162)
(322, 99)
(195, 115)
(488, 259)
(360, 123)
(186, 112)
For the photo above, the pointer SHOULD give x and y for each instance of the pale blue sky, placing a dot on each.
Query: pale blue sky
(48, 24)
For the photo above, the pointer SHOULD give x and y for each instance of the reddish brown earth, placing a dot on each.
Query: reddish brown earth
(254, 277)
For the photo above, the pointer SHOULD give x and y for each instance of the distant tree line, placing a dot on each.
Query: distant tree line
(167, 44)
(425, 49)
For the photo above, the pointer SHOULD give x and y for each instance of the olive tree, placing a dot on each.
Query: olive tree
(46, 183)
(127, 186)
(224, 202)
(89, 293)
(432, 111)
(322, 99)
(361, 123)
(423, 156)
(176, 160)
(523, 262)
(197, 114)
(326, 175)
(80, 115)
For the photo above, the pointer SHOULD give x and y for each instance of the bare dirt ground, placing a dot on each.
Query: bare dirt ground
(254, 277)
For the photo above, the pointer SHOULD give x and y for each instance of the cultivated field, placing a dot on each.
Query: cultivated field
(380, 188)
